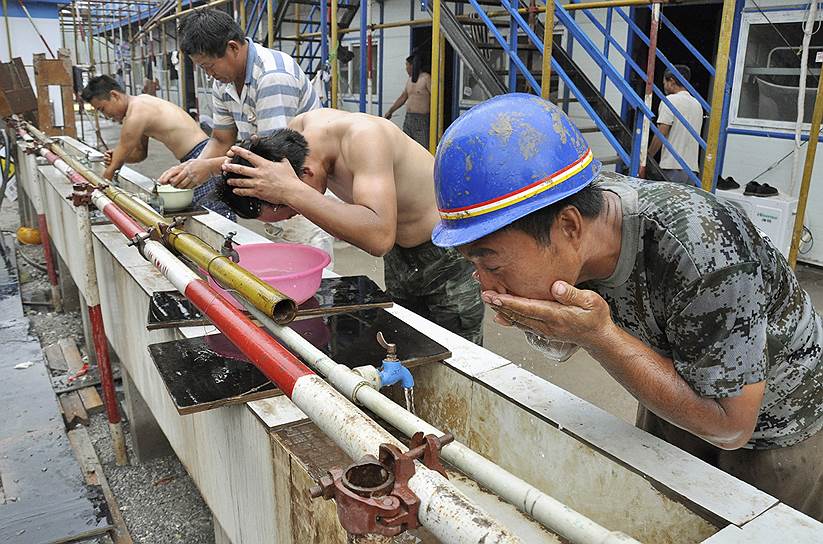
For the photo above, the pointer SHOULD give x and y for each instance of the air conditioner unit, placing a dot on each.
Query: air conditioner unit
(773, 215)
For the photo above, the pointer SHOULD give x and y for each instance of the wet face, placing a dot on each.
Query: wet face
(224, 69)
(511, 261)
(114, 107)
(272, 213)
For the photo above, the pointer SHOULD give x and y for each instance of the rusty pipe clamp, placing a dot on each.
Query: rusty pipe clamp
(81, 194)
(373, 496)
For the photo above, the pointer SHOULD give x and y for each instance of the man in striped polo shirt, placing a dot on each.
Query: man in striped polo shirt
(256, 90)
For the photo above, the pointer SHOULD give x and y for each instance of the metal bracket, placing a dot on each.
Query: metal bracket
(228, 247)
(81, 195)
(373, 496)
(139, 241)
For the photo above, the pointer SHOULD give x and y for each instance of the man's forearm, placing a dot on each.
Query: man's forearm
(215, 149)
(652, 379)
(655, 146)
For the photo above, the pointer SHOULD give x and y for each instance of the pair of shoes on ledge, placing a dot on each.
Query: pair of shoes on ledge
(756, 189)
(726, 184)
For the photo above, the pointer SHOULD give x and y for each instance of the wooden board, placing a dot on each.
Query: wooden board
(93, 471)
(54, 358)
(207, 372)
(73, 411)
(88, 395)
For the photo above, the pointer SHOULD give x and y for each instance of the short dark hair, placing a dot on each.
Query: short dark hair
(208, 32)
(684, 71)
(100, 87)
(281, 144)
(588, 201)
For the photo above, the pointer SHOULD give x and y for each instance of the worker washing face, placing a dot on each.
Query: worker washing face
(255, 91)
(384, 179)
(145, 117)
(676, 295)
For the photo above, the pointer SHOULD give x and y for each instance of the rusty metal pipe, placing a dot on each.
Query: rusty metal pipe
(264, 297)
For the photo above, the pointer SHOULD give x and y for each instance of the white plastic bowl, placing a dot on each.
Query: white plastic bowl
(175, 199)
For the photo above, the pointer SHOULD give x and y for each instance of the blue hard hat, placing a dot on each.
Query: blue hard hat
(502, 160)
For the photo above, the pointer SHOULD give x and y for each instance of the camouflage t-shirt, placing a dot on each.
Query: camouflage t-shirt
(698, 283)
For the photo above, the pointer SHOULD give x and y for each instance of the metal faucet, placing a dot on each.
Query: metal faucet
(393, 370)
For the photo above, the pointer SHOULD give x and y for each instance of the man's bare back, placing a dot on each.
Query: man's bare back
(166, 123)
(348, 134)
(419, 94)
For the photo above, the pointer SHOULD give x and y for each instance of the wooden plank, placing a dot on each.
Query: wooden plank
(73, 411)
(54, 358)
(85, 454)
(81, 442)
(91, 400)
(88, 395)
(72, 355)
(51, 72)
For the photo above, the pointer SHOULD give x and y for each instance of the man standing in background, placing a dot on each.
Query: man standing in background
(417, 98)
(673, 129)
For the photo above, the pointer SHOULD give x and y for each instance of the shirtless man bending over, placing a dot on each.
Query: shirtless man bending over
(385, 182)
(145, 117)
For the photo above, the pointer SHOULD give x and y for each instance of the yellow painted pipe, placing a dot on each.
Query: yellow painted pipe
(243, 15)
(718, 90)
(808, 167)
(434, 105)
(333, 54)
(548, 42)
(441, 125)
(270, 23)
(582, 5)
(381, 26)
(227, 273)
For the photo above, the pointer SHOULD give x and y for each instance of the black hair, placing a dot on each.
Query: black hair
(684, 71)
(417, 66)
(281, 144)
(100, 87)
(588, 201)
(208, 32)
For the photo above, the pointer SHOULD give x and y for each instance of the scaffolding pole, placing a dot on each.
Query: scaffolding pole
(721, 69)
(548, 43)
(270, 23)
(434, 106)
(181, 70)
(808, 167)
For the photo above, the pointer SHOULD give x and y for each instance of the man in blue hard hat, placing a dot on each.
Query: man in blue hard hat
(676, 295)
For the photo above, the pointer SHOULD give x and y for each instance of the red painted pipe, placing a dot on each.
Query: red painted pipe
(51, 270)
(276, 362)
(101, 347)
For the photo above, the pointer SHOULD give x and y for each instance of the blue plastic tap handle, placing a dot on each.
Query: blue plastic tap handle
(392, 372)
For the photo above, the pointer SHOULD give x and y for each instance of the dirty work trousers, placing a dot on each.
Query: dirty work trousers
(416, 125)
(793, 474)
(437, 284)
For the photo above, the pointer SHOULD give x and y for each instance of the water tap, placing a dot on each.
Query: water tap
(393, 370)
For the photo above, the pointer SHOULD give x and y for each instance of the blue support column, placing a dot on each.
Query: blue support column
(724, 118)
(513, 49)
(625, 108)
(609, 14)
(324, 38)
(364, 23)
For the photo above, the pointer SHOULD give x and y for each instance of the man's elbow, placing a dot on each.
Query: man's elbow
(732, 440)
(379, 246)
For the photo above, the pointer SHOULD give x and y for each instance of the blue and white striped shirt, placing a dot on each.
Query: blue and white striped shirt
(276, 90)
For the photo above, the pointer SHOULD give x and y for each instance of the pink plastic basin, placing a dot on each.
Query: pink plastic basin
(293, 269)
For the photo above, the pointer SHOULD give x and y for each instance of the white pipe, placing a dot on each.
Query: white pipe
(808, 28)
(550, 512)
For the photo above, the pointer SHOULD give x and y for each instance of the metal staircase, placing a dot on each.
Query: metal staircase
(521, 44)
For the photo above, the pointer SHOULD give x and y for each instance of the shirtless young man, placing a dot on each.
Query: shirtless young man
(145, 117)
(384, 181)
(417, 98)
